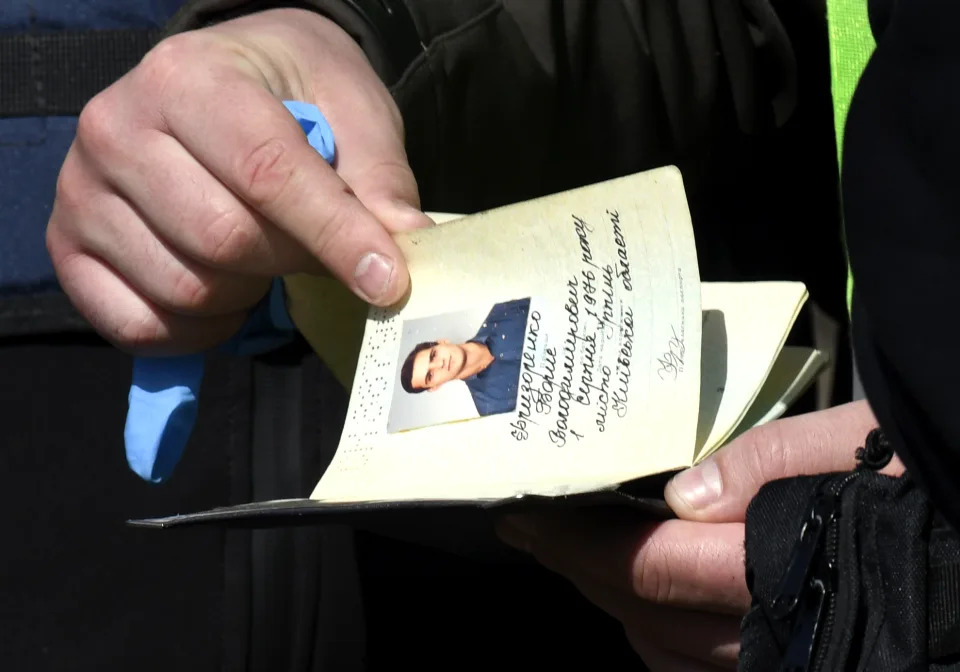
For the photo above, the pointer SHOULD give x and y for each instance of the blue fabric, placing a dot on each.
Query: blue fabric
(45, 15)
(31, 153)
(163, 409)
(165, 392)
(268, 327)
(315, 126)
(494, 389)
(32, 149)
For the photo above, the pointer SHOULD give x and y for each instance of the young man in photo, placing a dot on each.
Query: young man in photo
(489, 363)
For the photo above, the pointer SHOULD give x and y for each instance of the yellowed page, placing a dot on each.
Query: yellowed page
(794, 371)
(745, 326)
(607, 389)
(332, 318)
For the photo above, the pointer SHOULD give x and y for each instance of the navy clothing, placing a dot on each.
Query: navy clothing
(494, 390)
(32, 149)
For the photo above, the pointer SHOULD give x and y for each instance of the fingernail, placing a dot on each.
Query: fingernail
(699, 486)
(373, 275)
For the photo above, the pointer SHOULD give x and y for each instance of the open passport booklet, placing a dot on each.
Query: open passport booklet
(557, 351)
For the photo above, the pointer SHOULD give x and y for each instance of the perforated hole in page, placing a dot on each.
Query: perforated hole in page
(367, 415)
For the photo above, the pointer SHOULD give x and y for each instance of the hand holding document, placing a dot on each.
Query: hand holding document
(557, 349)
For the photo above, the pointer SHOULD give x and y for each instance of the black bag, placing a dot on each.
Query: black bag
(850, 571)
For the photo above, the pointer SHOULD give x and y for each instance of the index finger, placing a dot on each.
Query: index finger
(677, 562)
(720, 488)
(247, 139)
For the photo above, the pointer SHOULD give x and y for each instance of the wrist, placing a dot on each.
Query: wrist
(287, 47)
(384, 30)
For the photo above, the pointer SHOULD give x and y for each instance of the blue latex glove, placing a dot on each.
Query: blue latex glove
(164, 393)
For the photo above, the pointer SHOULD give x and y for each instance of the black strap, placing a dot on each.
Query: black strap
(40, 313)
(943, 610)
(46, 74)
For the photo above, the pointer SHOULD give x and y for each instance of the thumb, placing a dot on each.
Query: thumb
(720, 488)
(373, 162)
(389, 191)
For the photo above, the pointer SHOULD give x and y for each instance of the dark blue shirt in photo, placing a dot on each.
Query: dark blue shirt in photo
(494, 389)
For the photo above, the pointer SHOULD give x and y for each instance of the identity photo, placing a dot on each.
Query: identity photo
(459, 366)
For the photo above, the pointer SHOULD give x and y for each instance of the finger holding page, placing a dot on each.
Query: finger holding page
(164, 394)
(256, 149)
(720, 488)
(676, 563)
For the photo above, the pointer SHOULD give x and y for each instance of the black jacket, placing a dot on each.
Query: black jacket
(855, 570)
(902, 213)
(735, 93)
(510, 99)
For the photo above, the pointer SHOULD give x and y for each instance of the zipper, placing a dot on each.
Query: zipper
(808, 586)
(828, 574)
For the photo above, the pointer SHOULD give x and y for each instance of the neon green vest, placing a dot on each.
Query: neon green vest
(851, 45)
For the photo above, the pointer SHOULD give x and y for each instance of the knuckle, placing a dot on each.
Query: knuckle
(67, 194)
(137, 332)
(72, 202)
(266, 171)
(53, 240)
(96, 129)
(228, 239)
(63, 256)
(769, 458)
(126, 329)
(334, 228)
(189, 293)
(57, 244)
(165, 61)
(652, 575)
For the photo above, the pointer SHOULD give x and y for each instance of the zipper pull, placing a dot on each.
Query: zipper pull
(800, 651)
(876, 452)
(794, 579)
